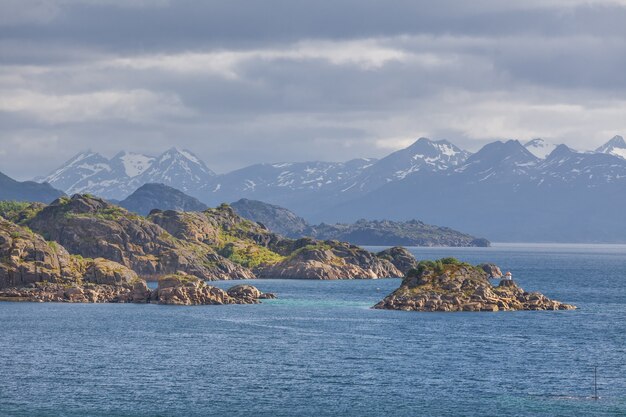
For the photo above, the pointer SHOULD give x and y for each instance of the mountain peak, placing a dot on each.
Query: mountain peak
(499, 156)
(616, 146)
(423, 154)
(82, 155)
(420, 141)
(616, 141)
(174, 152)
(560, 151)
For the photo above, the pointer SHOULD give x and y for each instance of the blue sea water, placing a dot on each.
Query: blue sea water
(319, 350)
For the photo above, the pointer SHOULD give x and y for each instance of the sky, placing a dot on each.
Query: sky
(241, 82)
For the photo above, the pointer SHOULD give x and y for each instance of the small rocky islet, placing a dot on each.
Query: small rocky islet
(449, 285)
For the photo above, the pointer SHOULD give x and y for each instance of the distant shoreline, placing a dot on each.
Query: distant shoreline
(520, 245)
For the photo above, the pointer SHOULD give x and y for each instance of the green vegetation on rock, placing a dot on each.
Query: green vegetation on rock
(249, 254)
(18, 211)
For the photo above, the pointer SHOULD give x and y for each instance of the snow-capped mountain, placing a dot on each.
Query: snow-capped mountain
(540, 148)
(85, 172)
(423, 155)
(499, 161)
(180, 169)
(616, 146)
(315, 184)
(507, 194)
(566, 166)
(118, 177)
(286, 180)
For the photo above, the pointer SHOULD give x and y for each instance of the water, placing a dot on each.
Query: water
(320, 350)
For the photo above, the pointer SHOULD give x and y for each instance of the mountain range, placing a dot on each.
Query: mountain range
(118, 177)
(506, 191)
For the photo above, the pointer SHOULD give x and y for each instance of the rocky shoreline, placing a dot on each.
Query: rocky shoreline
(450, 285)
(171, 290)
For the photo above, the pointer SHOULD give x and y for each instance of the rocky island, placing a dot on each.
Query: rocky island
(85, 249)
(215, 244)
(451, 285)
(33, 269)
(362, 232)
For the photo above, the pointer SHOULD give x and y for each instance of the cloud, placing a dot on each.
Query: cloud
(282, 80)
(134, 105)
(368, 54)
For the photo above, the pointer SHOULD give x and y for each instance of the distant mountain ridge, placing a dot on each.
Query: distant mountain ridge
(482, 193)
(362, 232)
(395, 233)
(31, 191)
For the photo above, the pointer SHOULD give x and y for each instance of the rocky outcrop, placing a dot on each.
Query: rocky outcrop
(74, 293)
(400, 257)
(449, 285)
(189, 290)
(92, 227)
(492, 270)
(160, 196)
(330, 260)
(32, 269)
(172, 290)
(26, 258)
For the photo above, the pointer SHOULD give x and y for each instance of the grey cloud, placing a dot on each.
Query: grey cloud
(190, 24)
(285, 80)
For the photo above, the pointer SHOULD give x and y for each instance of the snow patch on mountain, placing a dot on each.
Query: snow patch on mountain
(135, 163)
(540, 148)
